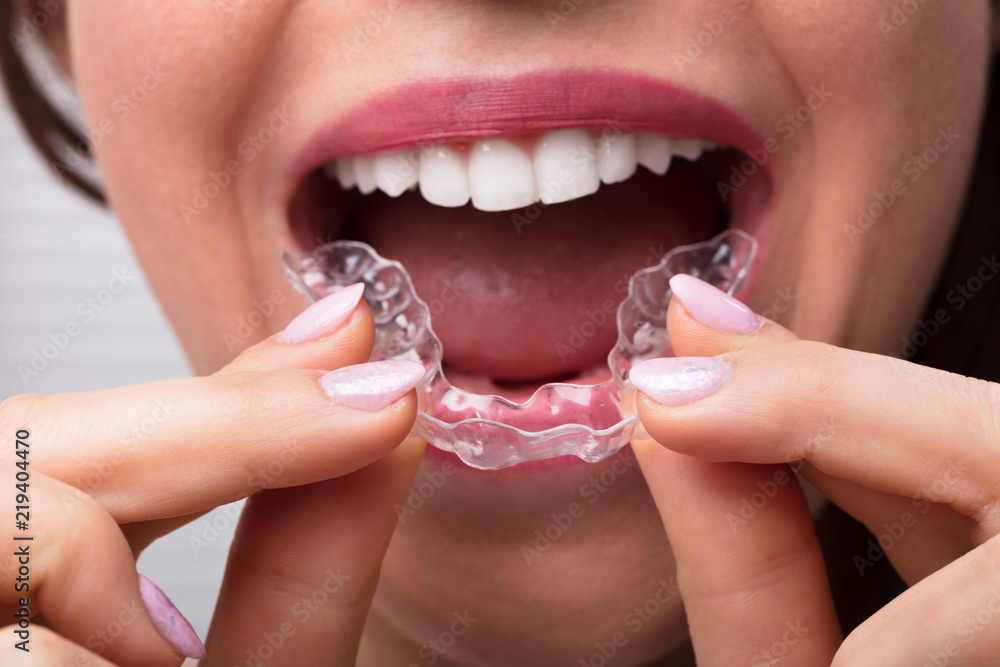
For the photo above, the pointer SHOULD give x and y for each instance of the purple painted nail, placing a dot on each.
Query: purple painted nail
(169, 622)
(374, 385)
(324, 316)
(677, 381)
(713, 307)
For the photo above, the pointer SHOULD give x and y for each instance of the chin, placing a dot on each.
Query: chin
(556, 561)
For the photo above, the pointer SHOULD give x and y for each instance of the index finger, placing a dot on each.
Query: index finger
(874, 420)
(753, 582)
(175, 447)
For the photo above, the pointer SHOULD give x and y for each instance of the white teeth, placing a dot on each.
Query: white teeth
(689, 149)
(618, 158)
(444, 179)
(364, 172)
(565, 166)
(654, 153)
(501, 177)
(345, 173)
(395, 173)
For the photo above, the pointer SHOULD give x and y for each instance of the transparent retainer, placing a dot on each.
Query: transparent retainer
(591, 422)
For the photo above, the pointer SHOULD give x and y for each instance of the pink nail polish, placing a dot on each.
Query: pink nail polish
(169, 622)
(374, 385)
(324, 316)
(713, 307)
(677, 381)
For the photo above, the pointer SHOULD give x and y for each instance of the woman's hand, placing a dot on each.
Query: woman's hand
(909, 451)
(113, 470)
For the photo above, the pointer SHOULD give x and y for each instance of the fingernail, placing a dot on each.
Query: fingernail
(324, 316)
(713, 307)
(676, 381)
(169, 622)
(374, 385)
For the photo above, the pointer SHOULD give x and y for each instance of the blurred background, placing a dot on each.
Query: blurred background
(57, 251)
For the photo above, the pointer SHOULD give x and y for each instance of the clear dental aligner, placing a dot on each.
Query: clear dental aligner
(480, 429)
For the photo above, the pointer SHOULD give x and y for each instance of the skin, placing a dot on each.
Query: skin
(229, 65)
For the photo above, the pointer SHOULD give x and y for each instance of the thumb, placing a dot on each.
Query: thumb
(704, 321)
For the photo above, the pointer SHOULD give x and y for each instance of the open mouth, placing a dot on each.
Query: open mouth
(522, 209)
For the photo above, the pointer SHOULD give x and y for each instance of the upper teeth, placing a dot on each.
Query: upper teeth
(498, 175)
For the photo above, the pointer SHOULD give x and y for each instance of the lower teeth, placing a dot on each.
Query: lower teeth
(490, 432)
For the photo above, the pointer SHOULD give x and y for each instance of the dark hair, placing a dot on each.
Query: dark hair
(969, 343)
(62, 144)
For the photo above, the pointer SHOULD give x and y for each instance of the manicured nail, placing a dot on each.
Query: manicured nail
(374, 385)
(676, 381)
(713, 307)
(324, 316)
(169, 622)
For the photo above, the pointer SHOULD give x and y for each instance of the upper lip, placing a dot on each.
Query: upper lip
(452, 110)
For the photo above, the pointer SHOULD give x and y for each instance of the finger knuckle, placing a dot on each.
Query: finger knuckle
(815, 371)
(248, 394)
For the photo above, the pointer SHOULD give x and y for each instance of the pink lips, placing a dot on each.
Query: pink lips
(462, 109)
(455, 110)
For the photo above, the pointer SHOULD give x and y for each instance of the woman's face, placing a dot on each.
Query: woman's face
(211, 121)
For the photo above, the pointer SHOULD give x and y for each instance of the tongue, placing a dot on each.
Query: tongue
(531, 295)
